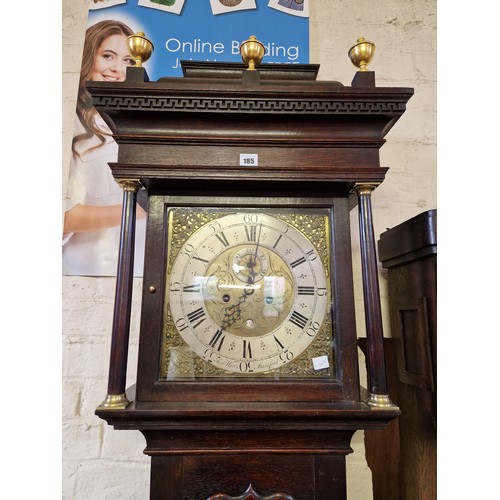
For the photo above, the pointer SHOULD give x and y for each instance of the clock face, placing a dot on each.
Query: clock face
(248, 294)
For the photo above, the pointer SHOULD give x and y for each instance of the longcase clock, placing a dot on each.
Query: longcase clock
(248, 379)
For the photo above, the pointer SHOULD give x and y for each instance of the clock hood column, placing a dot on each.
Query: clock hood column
(116, 398)
(377, 380)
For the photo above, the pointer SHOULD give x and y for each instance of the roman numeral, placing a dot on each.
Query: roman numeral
(305, 290)
(311, 255)
(277, 241)
(278, 343)
(200, 259)
(218, 337)
(298, 320)
(192, 288)
(198, 314)
(298, 262)
(247, 350)
(251, 233)
(222, 238)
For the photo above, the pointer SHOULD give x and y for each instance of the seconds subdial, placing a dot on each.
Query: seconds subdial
(250, 265)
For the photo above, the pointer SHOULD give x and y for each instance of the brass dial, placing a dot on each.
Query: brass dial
(248, 292)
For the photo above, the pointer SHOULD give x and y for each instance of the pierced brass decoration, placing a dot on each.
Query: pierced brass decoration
(361, 54)
(252, 52)
(140, 48)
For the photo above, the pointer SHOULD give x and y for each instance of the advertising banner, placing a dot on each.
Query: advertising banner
(211, 30)
(198, 30)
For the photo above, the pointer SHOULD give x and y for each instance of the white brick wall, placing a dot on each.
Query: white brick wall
(100, 463)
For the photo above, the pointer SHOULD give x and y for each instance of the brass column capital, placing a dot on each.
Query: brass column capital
(365, 188)
(130, 185)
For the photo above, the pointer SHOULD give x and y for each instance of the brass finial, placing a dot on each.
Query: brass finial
(362, 53)
(252, 52)
(140, 48)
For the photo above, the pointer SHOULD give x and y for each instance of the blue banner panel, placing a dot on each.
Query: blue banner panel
(198, 30)
(211, 30)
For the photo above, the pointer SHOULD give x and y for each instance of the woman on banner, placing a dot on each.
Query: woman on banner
(94, 200)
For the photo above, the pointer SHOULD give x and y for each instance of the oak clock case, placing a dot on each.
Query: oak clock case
(248, 357)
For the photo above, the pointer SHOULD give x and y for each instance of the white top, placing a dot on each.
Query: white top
(91, 183)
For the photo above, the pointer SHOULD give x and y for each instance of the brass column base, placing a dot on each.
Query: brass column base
(381, 401)
(114, 402)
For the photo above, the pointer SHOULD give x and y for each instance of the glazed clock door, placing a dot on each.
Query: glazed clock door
(246, 296)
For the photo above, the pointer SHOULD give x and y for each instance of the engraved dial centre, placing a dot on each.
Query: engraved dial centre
(248, 292)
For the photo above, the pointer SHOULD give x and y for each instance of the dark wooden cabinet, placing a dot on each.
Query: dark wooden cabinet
(382, 446)
(409, 252)
(317, 145)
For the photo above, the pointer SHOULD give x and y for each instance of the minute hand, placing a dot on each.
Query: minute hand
(254, 262)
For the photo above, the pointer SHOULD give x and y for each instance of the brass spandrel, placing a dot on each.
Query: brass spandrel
(183, 223)
(314, 227)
